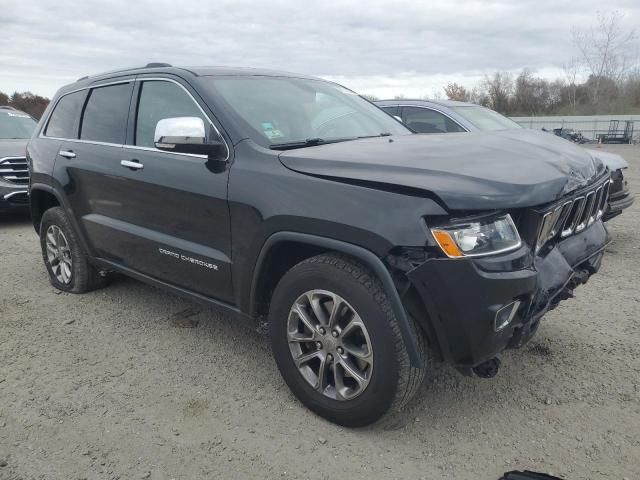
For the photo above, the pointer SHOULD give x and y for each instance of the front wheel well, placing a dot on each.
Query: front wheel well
(280, 258)
(40, 202)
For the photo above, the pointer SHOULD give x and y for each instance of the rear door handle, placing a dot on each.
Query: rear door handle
(67, 154)
(133, 165)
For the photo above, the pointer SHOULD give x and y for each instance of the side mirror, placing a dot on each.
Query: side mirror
(398, 118)
(185, 135)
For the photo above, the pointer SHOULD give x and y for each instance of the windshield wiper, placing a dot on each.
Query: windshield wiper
(383, 134)
(309, 142)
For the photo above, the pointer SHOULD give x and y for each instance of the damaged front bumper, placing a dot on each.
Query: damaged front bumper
(468, 300)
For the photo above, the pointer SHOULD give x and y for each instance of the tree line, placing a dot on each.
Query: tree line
(607, 58)
(27, 102)
(528, 95)
(603, 78)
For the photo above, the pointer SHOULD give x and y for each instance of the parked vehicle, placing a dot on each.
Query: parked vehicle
(447, 116)
(570, 134)
(16, 128)
(291, 200)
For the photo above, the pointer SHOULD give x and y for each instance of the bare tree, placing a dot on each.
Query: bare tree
(453, 91)
(571, 71)
(499, 89)
(606, 51)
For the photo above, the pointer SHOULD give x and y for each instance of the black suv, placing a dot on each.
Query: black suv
(291, 200)
(16, 128)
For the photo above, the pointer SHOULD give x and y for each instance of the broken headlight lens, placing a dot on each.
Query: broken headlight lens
(481, 237)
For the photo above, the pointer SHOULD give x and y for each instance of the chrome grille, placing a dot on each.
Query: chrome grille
(14, 170)
(574, 215)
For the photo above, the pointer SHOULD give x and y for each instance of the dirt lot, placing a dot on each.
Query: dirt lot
(110, 385)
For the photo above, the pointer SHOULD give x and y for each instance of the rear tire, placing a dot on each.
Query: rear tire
(349, 375)
(67, 263)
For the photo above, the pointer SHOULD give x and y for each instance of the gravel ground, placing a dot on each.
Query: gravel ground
(129, 382)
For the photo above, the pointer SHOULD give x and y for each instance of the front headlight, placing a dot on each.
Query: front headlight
(475, 238)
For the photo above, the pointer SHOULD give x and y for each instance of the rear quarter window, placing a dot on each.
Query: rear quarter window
(63, 118)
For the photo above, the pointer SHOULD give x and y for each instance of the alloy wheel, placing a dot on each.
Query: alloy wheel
(330, 344)
(59, 254)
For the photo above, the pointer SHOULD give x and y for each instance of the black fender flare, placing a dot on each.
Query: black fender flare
(64, 204)
(45, 188)
(367, 257)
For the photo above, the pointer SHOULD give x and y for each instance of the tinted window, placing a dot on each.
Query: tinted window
(160, 100)
(16, 125)
(391, 110)
(105, 114)
(425, 120)
(64, 116)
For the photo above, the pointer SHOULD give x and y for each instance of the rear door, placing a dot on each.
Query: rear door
(89, 167)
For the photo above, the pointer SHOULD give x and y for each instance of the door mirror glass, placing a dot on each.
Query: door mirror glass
(185, 135)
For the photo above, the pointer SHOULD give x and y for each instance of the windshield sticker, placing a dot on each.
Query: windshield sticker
(270, 131)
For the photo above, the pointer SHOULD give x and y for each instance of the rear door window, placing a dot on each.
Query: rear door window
(105, 114)
(393, 110)
(63, 118)
(426, 120)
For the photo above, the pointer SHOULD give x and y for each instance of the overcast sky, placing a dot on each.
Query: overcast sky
(385, 48)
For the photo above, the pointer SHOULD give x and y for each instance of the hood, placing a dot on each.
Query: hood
(611, 160)
(467, 171)
(13, 147)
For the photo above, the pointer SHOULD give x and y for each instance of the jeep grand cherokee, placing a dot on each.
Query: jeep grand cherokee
(290, 199)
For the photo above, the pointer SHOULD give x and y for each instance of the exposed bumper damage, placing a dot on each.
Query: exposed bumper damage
(463, 297)
(620, 196)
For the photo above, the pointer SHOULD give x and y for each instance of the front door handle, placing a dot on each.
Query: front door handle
(67, 154)
(133, 165)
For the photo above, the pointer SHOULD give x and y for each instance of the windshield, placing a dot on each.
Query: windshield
(485, 119)
(282, 110)
(16, 125)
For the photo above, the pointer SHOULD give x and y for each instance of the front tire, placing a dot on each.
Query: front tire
(68, 266)
(337, 343)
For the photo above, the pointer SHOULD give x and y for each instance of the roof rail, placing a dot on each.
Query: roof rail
(7, 107)
(148, 65)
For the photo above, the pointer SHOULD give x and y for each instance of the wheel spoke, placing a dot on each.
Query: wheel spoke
(323, 374)
(352, 371)
(297, 337)
(361, 353)
(306, 357)
(60, 240)
(339, 383)
(51, 238)
(66, 272)
(302, 315)
(51, 251)
(354, 323)
(335, 310)
(318, 309)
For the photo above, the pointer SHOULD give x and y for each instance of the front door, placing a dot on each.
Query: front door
(178, 202)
